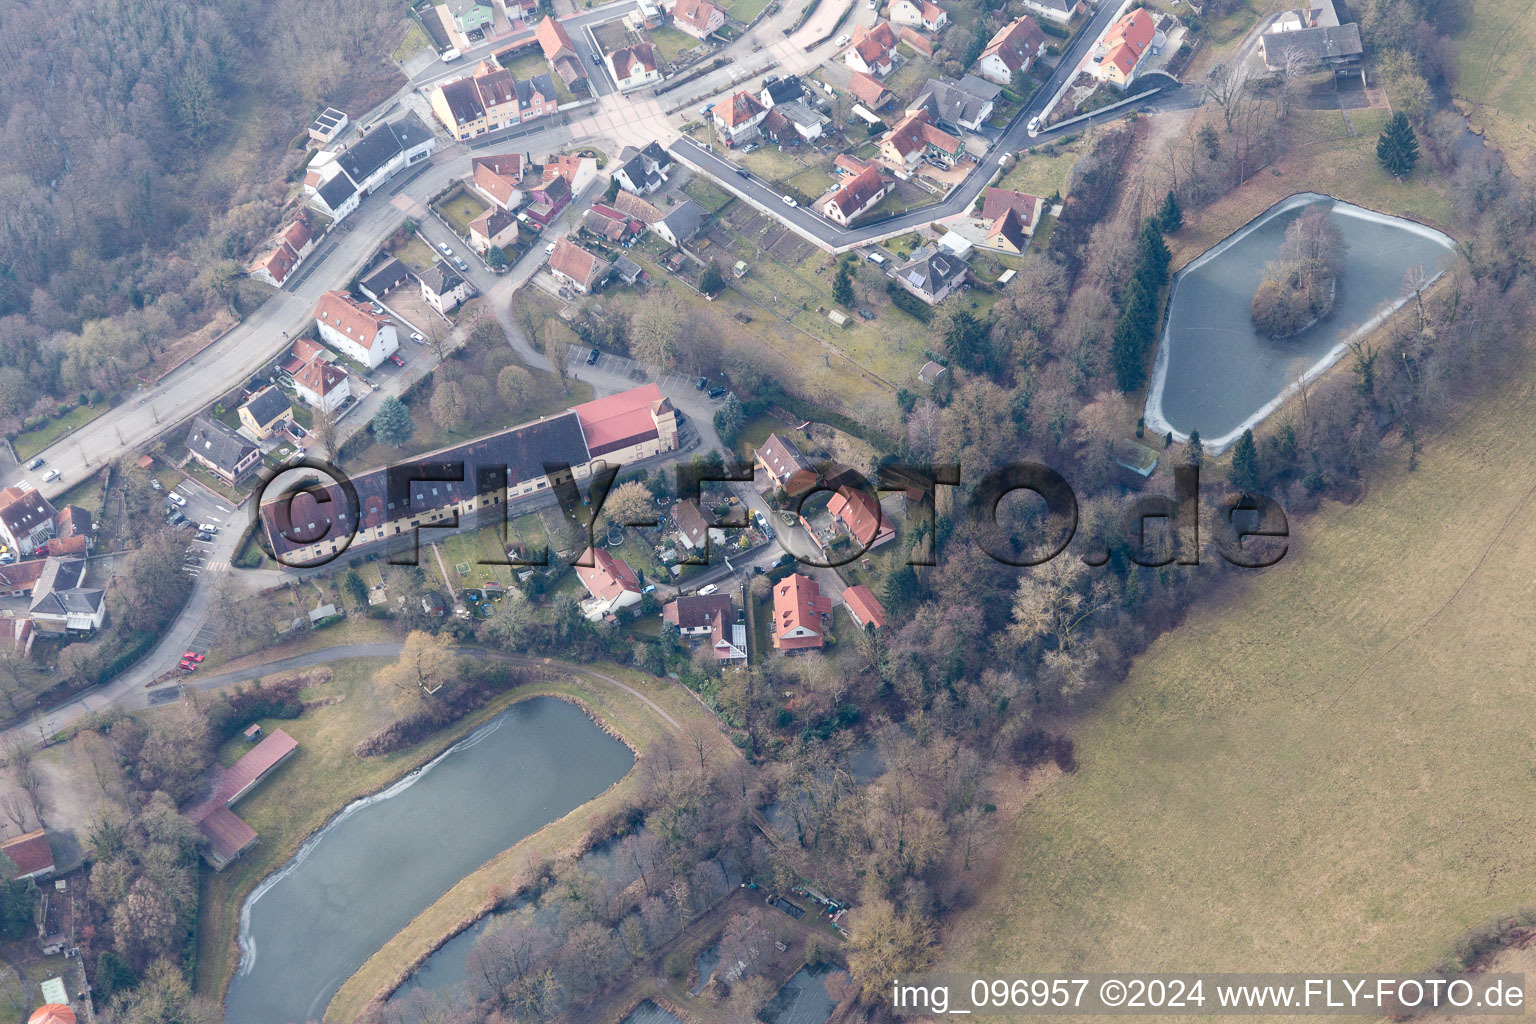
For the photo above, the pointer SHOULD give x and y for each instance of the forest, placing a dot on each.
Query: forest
(146, 149)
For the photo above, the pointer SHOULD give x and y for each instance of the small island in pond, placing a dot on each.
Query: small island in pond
(1300, 285)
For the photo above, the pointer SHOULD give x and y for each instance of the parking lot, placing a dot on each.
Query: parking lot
(201, 506)
(670, 383)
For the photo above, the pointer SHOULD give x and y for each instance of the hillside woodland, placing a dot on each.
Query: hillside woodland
(146, 148)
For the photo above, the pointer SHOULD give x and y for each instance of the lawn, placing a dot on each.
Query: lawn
(531, 62)
(1323, 158)
(669, 42)
(745, 10)
(417, 255)
(771, 163)
(707, 194)
(1492, 76)
(1326, 767)
(910, 76)
(34, 441)
(459, 207)
(1042, 172)
(414, 42)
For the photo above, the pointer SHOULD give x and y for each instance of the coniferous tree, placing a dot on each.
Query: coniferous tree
(392, 424)
(1244, 474)
(1398, 147)
(1170, 218)
(712, 281)
(842, 285)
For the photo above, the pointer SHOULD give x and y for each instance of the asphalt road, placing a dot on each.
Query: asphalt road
(960, 198)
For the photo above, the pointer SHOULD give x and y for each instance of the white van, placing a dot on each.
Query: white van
(452, 54)
(878, 259)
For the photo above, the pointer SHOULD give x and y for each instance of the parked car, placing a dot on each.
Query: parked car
(451, 54)
(178, 499)
(597, 60)
(717, 392)
(701, 384)
(447, 249)
(36, 463)
(458, 261)
(52, 474)
(397, 360)
(593, 357)
(204, 535)
(1033, 126)
(706, 591)
(156, 485)
(842, 40)
(743, 172)
(790, 201)
(187, 666)
(207, 527)
(377, 308)
(6, 558)
(549, 248)
(416, 337)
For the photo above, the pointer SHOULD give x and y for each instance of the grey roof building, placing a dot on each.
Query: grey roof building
(627, 269)
(932, 274)
(1325, 47)
(682, 223)
(782, 91)
(384, 280)
(336, 192)
(644, 170)
(952, 105)
(373, 152)
(220, 448)
(267, 404)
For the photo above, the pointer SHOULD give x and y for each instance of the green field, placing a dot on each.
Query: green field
(34, 441)
(1042, 173)
(1326, 767)
(745, 10)
(1493, 75)
(669, 42)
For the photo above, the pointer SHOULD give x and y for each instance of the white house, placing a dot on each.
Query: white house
(610, 581)
(320, 384)
(369, 162)
(26, 518)
(443, 288)
(923, 14)
(354, 330)
(634, 66)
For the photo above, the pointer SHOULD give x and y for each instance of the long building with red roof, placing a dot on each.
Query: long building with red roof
(499, 468)
(227, 833)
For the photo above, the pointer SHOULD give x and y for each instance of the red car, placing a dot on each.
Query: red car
(192, 656)
(186, 666)
(397, 360)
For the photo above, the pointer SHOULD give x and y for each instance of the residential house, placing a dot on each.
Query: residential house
(808, 124)
(915, 39)
(609, 224)
(931, 372)
(457, 105)
(461, 17)
(693, 615)
(738, 117)
(219, 449)
(547, 199)
(858, 512)
(635, 208)
(932, 274)
(781, 90)
(865, 611)
(1317, 14)
(266, 412)
(19, 578)
(355, 330)
(17, 634)
(76, 532)
(647, 14)
(321, 384)
(777, 129)
(443, 288)
(643, 170)
(575, 266)
(31, 854)
(300, 352)
(391, 275)
(923, 14)
(799, 614)
(369, 162)
(494, 227)
(536, 98)
(62, 603)
(498, 178)
(327, 125)
(872, 50)
(696, 528)
(954, 107)
(558, 49)
(681, 223)
(228, 835)
(293, 243)
(728, 639)
(1012, 217)
(578, 171)
(786, 468)
(915, 139)
(610, 581)
(1013, 48)
(855, 196)
(869, 91)
(1059, 11)
(634, 66)
(697, 18)
(1122, 49)
(1323, 46)
(26, 519)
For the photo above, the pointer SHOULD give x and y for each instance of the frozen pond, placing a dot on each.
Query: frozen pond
(1218, 375)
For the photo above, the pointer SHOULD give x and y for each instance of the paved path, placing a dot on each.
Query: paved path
(391, 649)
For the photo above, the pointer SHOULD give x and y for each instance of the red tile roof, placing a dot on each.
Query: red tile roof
(1127, 39)
(917, 130)
(998, 201)
(618, 421)
(915, 39)
(21, 575)
(553, 38)
(860, 513)
(625, 58)
(498, 175)
(320, 376)
(279, 263)
(301, 352)
(863, 606)
(798, 604)
(575, 263)
(874, 45)
(227, 833)
(298, 233)
(354, 320)
(868, 90)
(31, 853)
(858, 192)
(607, 577)
(739, 109)
(697, 13)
